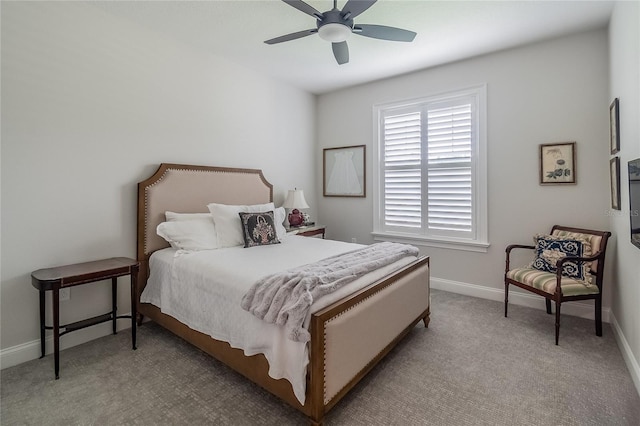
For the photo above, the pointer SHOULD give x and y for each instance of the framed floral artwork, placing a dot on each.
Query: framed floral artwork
(343, 172)
(614, 126)
(614, 173)
(558, 163)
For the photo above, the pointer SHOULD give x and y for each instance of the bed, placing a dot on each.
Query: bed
(349, 333)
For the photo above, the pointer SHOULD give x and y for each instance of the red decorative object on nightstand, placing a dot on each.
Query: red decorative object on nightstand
(295, 218)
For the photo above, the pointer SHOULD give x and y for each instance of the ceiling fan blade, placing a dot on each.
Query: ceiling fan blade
(304, 7)
(341, 52)
(292, 36)
(354, 8)
(384, 33)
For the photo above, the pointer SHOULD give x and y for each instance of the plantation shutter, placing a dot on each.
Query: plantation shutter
(450, 186)
(402, 170)
(428, 169)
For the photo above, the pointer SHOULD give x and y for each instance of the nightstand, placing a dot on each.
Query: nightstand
(307, 231)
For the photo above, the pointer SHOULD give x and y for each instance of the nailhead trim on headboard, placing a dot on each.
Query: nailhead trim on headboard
(146, 208)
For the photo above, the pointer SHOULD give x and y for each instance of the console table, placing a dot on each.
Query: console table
(53, 279)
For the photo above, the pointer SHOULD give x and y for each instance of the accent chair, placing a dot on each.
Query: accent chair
(568, 266)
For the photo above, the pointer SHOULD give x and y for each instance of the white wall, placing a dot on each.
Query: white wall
(90, 106)
(554, 91)
(624, 65)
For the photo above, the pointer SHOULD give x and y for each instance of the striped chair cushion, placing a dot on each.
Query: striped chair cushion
(546, 282)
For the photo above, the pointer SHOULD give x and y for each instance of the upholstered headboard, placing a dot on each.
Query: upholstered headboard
(187, 188)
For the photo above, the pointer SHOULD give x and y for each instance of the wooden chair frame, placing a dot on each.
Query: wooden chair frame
(597, 255)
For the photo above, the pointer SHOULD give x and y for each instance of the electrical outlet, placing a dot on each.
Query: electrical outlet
(65, 294)
(354, 240)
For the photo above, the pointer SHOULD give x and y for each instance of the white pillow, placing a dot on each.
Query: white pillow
(279, 215)
(189, 234)
(227, 221)
(172, 216)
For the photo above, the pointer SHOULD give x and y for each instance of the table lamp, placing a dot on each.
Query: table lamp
(295, 200)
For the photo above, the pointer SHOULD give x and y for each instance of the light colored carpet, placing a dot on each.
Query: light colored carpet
(471, 366)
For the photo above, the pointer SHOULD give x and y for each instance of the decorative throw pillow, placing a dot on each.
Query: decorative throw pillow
(258, 229)
(549, 249)
(594, 243)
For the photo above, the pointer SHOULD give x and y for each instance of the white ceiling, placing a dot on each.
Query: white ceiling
(447, 31)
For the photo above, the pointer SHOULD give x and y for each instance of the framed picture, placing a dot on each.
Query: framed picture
(343, 172)
(558, 163)
(614, 173)
(614, 126)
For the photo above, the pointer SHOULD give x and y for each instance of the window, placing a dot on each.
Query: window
(430, 185)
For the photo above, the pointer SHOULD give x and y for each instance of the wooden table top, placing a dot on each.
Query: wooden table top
(83, 272)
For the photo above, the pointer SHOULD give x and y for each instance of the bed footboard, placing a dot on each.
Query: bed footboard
(349, 340)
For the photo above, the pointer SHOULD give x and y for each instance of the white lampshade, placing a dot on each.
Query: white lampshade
(295, 200)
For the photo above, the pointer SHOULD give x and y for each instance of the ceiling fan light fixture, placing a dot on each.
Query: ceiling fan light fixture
(334, 32)
(336, 25)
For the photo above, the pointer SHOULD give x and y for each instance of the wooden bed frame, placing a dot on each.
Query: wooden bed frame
(348, 337)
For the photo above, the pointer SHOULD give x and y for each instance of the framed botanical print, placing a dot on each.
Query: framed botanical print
(343, 172)
(558, 163)
(614, 173)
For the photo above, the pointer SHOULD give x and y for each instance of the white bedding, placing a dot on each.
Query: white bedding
(204, 289)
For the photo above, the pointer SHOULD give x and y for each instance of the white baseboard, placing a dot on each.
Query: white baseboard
(517, 297)
(31, 350)
(627, 354)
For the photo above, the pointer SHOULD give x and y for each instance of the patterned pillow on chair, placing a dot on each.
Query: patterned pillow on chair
(549, 249)
(594, 243)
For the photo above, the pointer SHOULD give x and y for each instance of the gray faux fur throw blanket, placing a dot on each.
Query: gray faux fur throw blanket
(285, 298)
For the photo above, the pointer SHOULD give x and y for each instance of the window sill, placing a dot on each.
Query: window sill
(475, 246)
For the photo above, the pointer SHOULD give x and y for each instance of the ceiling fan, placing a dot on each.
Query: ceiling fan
(336, 25)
